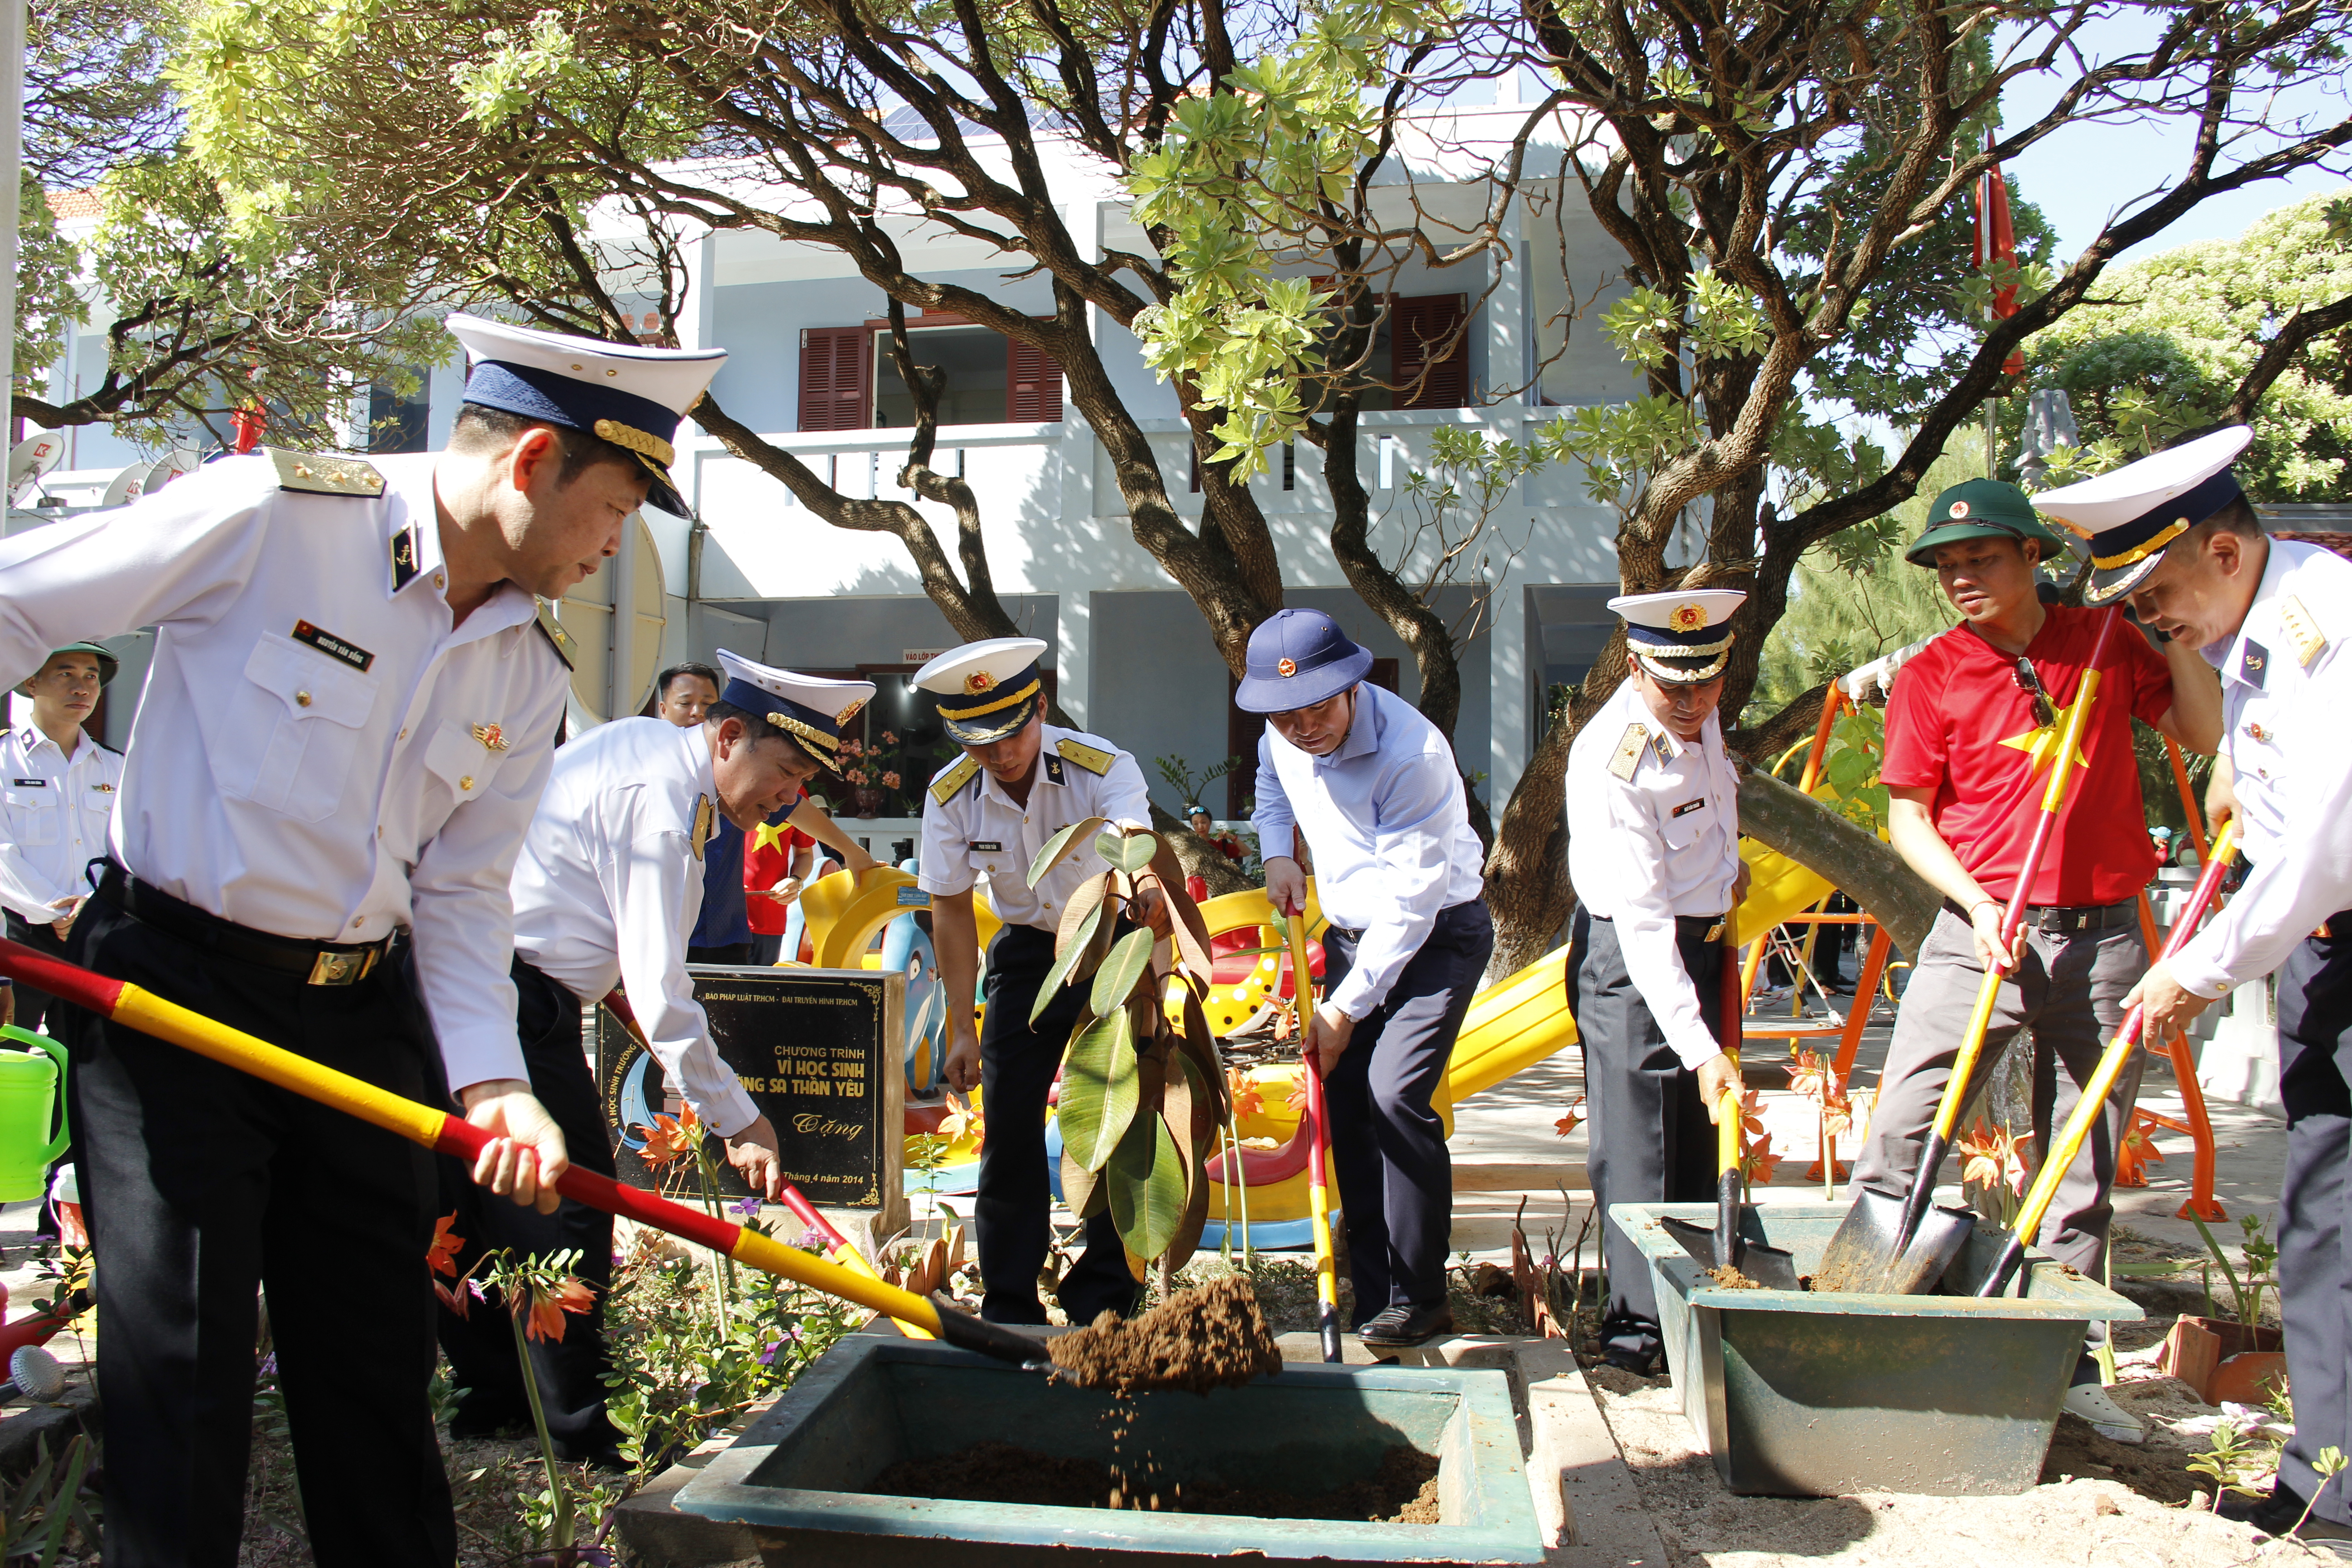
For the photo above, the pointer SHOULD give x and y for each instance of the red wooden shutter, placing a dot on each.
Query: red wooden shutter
(836, 378)
(1426, 374)
(1032, 384)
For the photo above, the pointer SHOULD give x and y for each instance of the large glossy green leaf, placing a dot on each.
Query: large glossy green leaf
(1100, 1089)
(1084, 1190)
(1071, 957)
(1129, 962)
(1130, 853)
(1050, 854)
(1147, 1188)
(1089, 898)
(1191, 1120)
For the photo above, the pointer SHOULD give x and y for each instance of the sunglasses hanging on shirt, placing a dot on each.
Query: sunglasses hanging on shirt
(2031, 684)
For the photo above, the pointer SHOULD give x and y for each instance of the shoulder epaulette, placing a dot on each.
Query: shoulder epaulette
(2302, 633)
(325, 473)
(1628, 755)
(561, 640)
(1093, 759)
(944, 787)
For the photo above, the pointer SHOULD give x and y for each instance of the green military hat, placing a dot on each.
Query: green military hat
(107, 663)
(1982, 509)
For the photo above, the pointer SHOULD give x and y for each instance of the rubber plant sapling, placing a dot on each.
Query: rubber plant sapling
(1142, 1099)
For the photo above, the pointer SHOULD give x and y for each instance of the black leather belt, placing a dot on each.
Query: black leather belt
(319, 963)
(2059, 919)
(1707, 928)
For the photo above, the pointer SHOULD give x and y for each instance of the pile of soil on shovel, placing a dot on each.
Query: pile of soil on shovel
(1211, 1337)
(1403, 1491)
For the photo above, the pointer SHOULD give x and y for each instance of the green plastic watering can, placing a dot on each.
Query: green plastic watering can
(32, 1071)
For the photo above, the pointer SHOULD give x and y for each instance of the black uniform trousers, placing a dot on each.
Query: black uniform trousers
(2315, 1026)
(199, 1183)
(1017, 1064)
(37, 1010)
(479, 1345)
(1388, 1145)
(1651, 1139)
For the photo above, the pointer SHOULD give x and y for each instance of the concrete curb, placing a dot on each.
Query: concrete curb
(24, 1426)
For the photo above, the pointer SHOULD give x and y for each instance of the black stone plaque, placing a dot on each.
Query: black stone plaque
(817, 1049)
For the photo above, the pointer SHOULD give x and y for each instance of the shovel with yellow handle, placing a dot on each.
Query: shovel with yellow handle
(1319, 1149)
(2088, 1109)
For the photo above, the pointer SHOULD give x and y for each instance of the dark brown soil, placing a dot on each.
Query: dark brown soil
(1403, 1491)
(1213, 1337)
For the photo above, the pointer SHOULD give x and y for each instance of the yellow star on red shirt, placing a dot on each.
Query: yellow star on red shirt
(2042, 744)
(769, 836)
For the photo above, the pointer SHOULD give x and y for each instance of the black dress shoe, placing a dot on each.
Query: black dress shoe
(2277, 1513)
(1394, 1326)
(469, 1425)
(608, 1459)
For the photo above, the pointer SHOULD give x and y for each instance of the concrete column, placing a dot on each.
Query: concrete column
(1508, 361)
(1074, 653)
(1511, 653)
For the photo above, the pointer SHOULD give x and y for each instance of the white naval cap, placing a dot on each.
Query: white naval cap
(1682, 636)
(628, 395)
(986, 689)
(811, 708)
(2133, 514)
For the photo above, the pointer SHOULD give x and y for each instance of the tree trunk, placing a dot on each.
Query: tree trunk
(1527, 873)
(1869, 872)
(1198, 856)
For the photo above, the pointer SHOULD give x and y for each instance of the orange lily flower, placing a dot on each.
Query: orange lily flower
(671, 1137)
(1247, 1100)
(441, 1256)
(547, 1306)
(962, 1118)
(455, 1301)
(1573, 1120)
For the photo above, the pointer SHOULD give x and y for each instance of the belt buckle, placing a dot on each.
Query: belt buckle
(341, 968)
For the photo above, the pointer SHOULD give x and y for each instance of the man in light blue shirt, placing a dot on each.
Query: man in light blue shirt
(1356, 776)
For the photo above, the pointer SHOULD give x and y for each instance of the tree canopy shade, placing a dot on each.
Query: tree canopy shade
(1782, 190)
(203, 319)
(2173, 341)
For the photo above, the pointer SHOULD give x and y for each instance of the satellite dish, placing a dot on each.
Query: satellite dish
(172, 465)
(127, 486)
(34, 455)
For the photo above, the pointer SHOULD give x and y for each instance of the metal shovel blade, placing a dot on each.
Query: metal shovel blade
(1772, 1268)
(1864, 1258)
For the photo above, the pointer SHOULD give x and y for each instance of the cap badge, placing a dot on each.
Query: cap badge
(979, 681)
(1960, 511)
(1688, 618)
(491, 737)
(1286, 667)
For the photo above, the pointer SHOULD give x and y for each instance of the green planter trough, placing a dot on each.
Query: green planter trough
(801, 1477)
(1797, 1394)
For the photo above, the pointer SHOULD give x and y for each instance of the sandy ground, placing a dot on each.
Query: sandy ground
(2100, 1504)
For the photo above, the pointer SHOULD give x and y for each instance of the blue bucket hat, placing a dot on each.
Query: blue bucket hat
(1296, 660)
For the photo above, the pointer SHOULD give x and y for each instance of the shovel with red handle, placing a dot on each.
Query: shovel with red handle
(121, 1002)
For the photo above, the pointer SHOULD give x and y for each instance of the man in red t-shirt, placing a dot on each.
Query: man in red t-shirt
(777, 859)
(1971, 730)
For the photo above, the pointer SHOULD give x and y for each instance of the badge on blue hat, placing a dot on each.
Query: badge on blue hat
(1683, 636)
(622, 393)
(1296, 660)
(808, 707)
(986, 689)
(2133, 515)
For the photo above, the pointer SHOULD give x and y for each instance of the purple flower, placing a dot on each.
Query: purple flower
(749, 1209)
(768, 1356)
(270, 1364)
(813, 1241)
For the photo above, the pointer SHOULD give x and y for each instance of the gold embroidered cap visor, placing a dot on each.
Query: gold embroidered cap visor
(809, 708)
(2132, 516)
(626, 394)
(1000, 713)
(1687, 667)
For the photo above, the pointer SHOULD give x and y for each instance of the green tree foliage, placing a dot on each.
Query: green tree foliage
(2168, 344)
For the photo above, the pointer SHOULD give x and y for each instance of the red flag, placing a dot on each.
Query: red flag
(1995, 239)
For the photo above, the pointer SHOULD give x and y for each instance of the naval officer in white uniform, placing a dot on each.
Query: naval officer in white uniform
(1653, 852)
(350, 714)
(58, 789)
(2173, 537)
(1020, 782)
(606, 891)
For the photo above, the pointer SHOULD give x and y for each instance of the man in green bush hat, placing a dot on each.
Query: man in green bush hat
(1972, 723)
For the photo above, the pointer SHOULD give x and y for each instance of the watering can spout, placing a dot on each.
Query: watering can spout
(32, 1111)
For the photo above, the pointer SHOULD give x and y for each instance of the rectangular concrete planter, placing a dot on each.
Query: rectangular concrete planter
(1797, 1394)
(798, 1477)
